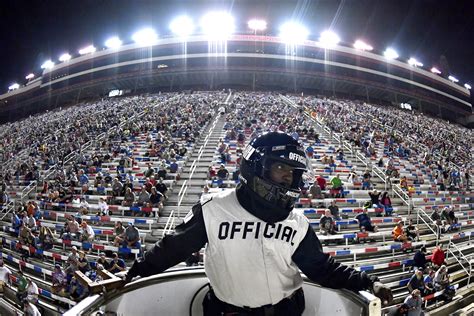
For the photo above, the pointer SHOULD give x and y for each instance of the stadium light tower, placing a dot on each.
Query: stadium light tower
(361, 45)
(329, 39)
(293, 33)
(217, 25)
(13, 87)
(47, 65)
(257, 25)
(30, 76)
(390, 53)
(113, 42)
(435, 71)
(87, 50)
(145, 37)
(453, 79)
(415, 63)
(65, 57)
(467, 86)
(182, 26)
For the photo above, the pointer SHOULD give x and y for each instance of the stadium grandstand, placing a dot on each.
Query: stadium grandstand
(105, 152)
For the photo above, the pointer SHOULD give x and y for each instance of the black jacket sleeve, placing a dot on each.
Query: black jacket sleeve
(324, 270)
(189, 237)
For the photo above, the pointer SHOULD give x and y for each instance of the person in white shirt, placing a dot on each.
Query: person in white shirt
(5, 273)
(30, 309)
(32, 291)
(87, 232)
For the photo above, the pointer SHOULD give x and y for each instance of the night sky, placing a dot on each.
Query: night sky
(34, 31)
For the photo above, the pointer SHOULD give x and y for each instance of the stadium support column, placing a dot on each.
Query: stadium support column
(367, 94)
(253, 82)
(333, 88)
(294, 84)
(78, 95)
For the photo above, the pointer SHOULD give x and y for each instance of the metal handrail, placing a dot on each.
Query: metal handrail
(463, 257)
(9, 208)
(418, 217)
(169, 224)
(27, 190)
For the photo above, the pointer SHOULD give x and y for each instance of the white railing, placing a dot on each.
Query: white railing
(27, 190)
(170, 224)
(460, 255)
(9, 207)
(398, 191)
(420, 215)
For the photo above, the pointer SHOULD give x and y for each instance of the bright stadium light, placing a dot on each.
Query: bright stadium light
(390, 53)
(329, 39)
(467, 86)
(65, 57)
(257, 25)
(453, 79)
(292, 33)
(435, 71)
(14, 86)
(217, 25)
(30, 76)
(47, 65)
(145, 37)
(182, 26)
(361, 45)
(113, 42)
(87, 50)
(415, 63)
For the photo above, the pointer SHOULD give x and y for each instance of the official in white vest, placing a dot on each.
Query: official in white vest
(256, 244)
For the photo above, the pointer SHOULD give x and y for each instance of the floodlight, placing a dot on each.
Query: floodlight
(145, 37)
(182, 26)
(257, 25)
(217, 25)
(467, 86)
(390, 53)
(435, 71)
(329, 39)
(453, 79)
(293, 33)
(64, 57)
(47, 65)
(87, 50)
(415, 63)
(30, 76)
(113, 42)
(358, 44)
(14, 86)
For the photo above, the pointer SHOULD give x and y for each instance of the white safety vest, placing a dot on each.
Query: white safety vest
(247, 260)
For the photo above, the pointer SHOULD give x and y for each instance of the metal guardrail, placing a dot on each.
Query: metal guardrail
(460, 254)
(419, 216)
(9, 207)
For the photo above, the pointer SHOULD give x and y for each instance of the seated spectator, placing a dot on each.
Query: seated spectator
(117, 264)
(441, 278)
(315, 191)
(30, 308)
(327, 224)
(16, 221)
(429, 282)
(412, 231)
(21, 286)
(5, 274)
(404, 183)
(87, 234)
(162, 188)
(398, 233)
(32, 292)
(31, 222)
(71, 229)
(143, 197)
(25, 236)
(211, 173)
(438, 256)
(82, 263)
(174, 166)
(83, 206)
(437, 223)
(59, 280)
(387, 204)
(76, 290)
(337, 190)
(117, 187)
(119, 232)
(321, 182)
(334, 210)
(162, 172)
(46, 238)
(419, 260)
(131, 237)
(149, 171)
(222, 174)
(365, 223)
(103, 208)
(414, 303)
(417, 282)
(375, 198)
(128, 198)
(352, 176)
(103, 261)
(366, 180)
(72, 262)
(401, 310)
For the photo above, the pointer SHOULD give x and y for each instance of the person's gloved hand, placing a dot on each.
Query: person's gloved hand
(132, 272)
(383, 292)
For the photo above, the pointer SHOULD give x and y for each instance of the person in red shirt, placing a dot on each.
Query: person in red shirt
(438, 256)
(321, 182)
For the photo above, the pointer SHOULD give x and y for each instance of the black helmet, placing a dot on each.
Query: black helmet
(264, 153)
